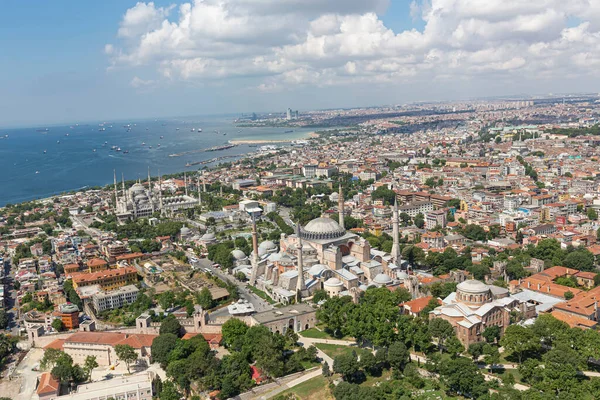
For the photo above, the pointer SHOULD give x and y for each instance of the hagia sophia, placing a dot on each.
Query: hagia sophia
(323, 255)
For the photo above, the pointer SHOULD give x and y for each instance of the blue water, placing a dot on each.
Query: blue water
(72, 164)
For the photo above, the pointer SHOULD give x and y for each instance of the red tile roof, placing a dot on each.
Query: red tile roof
(48, 384)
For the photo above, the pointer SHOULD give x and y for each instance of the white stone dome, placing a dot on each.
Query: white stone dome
(322, 228)
(382, 279)
(402, 275)
(137, 187)
(209, 236)
(238, 254)
(266, 247)
(472, 286)
(184, 231)
(333, 282)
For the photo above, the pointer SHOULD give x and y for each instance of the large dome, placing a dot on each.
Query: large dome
(136, 188)
(472, 286)
(382, 279)
(238, 254)
(322, 228)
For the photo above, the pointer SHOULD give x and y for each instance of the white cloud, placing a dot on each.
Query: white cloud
(339, 42)
(138, 83)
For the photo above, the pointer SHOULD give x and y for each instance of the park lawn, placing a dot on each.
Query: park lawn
(334, 350)
(316, 333)
(316, 388)
(374, 380)
(502, 373)
(261, 294)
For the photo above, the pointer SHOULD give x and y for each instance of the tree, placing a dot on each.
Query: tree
(592, 214)
(319, 295)
(49, 358)
(346, 365)
(519, 341)
(58, 325)
(419, 221)
(89, 365)
(441, 330)
(476, 350)
(581, 259)
(491, 334)
(204, 299)
(233, 332)
(454, 347)
(462, 376)
(398, 356)
(325, 370)
(169, 392)
(162, 346)
(170, 325)
(368, 363)
(569, 295)
(3, 319)
(491, 355)
(127, 354)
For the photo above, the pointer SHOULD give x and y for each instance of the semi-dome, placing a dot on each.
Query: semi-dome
(322, 228)
(472, 286)
(333, 282)
(184, 231)
(238, 254)
(317, 269)
(382, 279)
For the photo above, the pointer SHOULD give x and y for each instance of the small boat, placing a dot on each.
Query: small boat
(66, 134)
(44, 151)
(126, 152)
(149, 147)
(37, 172)
(163, 136)
(224, 134)
(199, 129)
(105, 142)
(147, 129)
(158, 145)
(192, 130)
(143, 143)
(94, 150)
(101, 129)
(118, 149)
(176, 129)
(58, 141)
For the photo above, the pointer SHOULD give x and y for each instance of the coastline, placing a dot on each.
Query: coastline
(309, 135)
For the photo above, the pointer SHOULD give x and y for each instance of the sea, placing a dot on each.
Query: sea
(42, 161)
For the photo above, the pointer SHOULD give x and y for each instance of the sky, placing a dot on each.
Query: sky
(65, 61)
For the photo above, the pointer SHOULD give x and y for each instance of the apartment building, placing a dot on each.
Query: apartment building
(115, 298)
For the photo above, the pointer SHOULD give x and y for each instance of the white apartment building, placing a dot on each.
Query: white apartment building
(115, 298)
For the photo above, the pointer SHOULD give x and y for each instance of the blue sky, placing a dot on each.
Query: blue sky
(55, 69)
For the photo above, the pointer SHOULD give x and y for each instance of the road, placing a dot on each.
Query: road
(28, 376)
(10, 301)
(245, 293)
(80, 225)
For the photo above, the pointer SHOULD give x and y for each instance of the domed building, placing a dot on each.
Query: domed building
(239, 257)
(333, 287)
(475, 306)
(139, 201)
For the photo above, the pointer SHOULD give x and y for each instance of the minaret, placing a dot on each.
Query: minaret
(203, 185)
(221, 190)
(300, 284)
(396, 254)
(116, 194)
(341, 206)
(254, 261)
(123, 186)
(199, 194)
(160, 199)
(185, 183)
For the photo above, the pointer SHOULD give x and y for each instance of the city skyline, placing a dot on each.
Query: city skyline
(123, 60)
